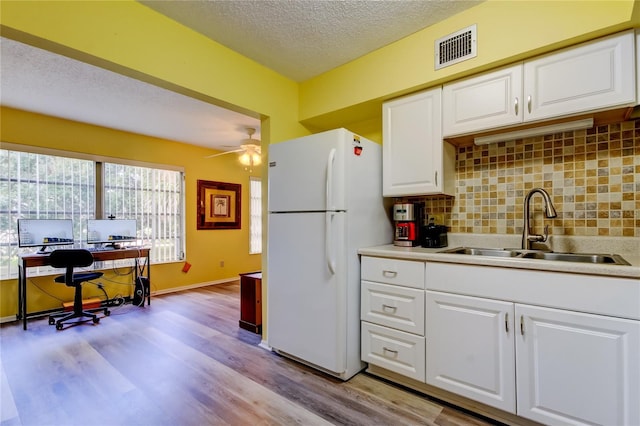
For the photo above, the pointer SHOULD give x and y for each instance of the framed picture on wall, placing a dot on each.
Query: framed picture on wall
(219, 205)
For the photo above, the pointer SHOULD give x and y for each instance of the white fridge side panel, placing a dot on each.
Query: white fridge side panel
(306, 302)
(298, 172)
(368, 224)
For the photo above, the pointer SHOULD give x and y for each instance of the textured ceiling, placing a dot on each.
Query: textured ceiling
(297, 38)
(36, 80)
(302, 39)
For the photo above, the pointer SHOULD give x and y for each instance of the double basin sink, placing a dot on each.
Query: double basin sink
(610, 259)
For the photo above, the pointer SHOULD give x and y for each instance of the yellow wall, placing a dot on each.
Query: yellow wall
(508, 31)
(131, 39)
(205, 248)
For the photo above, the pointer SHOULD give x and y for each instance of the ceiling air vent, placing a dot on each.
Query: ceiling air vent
(456, 47)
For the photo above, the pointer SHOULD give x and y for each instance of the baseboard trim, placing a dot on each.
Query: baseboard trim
(9, 318)
(192, 286)
(264, 345)
(12, 318)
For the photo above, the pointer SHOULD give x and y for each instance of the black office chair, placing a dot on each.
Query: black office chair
(69, 259)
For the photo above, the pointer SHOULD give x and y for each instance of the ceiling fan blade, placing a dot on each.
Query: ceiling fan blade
(223, 153)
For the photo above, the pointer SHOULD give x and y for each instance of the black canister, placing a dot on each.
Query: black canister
(434, 236)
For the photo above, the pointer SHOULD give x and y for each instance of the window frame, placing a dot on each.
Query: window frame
(99, 161)
(255, 219)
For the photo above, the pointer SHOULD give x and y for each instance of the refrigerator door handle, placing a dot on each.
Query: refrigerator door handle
(328, 242)
(329, 191)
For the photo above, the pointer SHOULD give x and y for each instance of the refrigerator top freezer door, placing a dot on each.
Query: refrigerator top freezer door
(312, 173)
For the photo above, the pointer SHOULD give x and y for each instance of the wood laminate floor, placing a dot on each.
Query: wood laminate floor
(184, 361)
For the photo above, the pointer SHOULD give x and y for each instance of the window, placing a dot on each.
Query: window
(154, 198)
(255, 215)
(40, 185)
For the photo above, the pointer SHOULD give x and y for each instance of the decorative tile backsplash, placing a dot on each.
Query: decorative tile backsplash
(593, 177)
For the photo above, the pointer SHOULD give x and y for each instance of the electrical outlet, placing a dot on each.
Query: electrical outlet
(222, 263)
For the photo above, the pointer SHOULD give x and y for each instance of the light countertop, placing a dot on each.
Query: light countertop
(627, 247)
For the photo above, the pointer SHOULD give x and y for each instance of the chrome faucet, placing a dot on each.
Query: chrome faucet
(549, 210)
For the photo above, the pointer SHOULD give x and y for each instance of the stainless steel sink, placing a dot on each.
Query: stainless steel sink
(578, 257)
(612, 259)
(483, 252)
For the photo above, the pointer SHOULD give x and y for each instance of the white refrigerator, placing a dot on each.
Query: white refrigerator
(325, 202)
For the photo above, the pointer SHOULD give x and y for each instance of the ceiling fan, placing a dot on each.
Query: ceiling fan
(249, 149)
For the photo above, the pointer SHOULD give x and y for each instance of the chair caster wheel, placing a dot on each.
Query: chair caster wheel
(107, 313)
(51, 321)
(96, 320)
(59, 326)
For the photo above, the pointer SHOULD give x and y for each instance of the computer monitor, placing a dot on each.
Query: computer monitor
(111, 231)
(44, 233)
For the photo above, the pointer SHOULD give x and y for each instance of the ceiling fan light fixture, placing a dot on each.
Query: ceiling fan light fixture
(250, 157)
(249, 152)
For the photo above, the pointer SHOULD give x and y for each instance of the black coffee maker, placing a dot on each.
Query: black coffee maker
(433, 236)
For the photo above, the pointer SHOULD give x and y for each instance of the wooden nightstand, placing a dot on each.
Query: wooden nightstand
(251, 302)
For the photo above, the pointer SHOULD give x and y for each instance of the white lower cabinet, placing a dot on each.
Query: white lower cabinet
(392, 313)
(553, 366)
(576, 368)
(470, 349)
(394, 350)
(393, 306)
(555, 348)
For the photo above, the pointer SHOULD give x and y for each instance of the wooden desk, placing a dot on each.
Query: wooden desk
(251, 302)
(33, 260)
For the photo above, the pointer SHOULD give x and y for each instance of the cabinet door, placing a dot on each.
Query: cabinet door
(470, 349)
(638, 67)
(412, 146)
(483, 102)
(575, 368)
(592, 76)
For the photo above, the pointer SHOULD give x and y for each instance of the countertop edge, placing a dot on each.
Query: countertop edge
(433, 255)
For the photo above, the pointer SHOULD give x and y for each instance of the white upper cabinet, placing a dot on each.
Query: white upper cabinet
(483, 102)
(413, 153)
(592, 76)
(638, 66)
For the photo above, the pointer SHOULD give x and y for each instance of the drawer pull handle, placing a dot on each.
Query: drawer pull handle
(385, 349)
(506, 322)
(387, 307)
(388, 273)
(522, 325)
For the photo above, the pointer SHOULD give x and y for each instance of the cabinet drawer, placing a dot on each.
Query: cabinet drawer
(393, 271)
(394, 350)
(393, 306)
